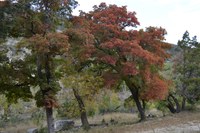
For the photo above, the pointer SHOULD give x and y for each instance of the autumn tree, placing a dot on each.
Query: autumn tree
(84, 87)
(186, 68)
(84, 84)
(24, 18)
(37, 22)
(123, 55)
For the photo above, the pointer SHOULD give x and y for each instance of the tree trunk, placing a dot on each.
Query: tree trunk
(49, 110)
(143, 104)
(50, 121)
(84, 119)
(141, 110)
(135, 95)
(178, 108)
(171, 105)
(183, 103)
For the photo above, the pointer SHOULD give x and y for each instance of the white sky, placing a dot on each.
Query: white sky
(176, 16)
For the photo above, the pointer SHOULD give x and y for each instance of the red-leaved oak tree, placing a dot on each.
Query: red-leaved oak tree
(135, 57)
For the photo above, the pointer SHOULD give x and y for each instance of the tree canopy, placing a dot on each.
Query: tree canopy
(37, 22)
(186, 65)
(122, 55)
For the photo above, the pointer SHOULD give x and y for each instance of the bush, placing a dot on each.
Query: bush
(109, 102)
(69, 109)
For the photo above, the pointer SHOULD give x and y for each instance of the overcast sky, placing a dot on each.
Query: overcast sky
(176, 16)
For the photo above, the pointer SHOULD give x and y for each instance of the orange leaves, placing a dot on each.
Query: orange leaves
(129, 68)
(152, 40)
(53, 43)
(108, 59)
(103, 38)
(81, 41)
(80, 34)
(110, 21)
(131, 49)
(110, 79)
(40, 44)
(87, 52)
(58, 43)
(157, 89)
(114, 15)
(113, 43)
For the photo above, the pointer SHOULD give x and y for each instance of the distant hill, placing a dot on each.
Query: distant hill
(174, 49)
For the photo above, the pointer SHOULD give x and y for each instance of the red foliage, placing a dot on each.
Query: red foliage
(152, 40)
(127, 53)
(113, 15)
(129, 68)
(58, 43)
(52, 43)
(157, 89)
(108, 59)
(110, 79)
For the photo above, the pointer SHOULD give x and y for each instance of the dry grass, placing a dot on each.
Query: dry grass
(117, 117)
(125, 123)
(19, 128)
(133, 127)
